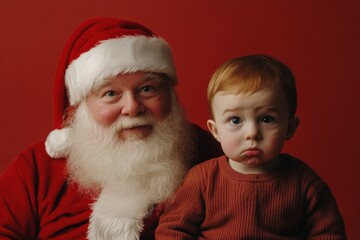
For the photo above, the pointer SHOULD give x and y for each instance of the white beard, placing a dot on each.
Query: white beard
(130, 175)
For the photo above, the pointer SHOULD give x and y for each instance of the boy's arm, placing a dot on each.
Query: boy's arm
(184, 213)
(324, 220)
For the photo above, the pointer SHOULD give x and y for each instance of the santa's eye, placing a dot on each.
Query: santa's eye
(110, 94)
(147, 89)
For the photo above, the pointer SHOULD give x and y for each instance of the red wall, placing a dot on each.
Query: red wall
(319, 40)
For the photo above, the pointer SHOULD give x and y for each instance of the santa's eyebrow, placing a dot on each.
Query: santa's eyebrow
(154, 77)
(149, 76)
(99, 85)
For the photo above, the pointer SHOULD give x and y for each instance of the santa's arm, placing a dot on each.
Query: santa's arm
(18, 213)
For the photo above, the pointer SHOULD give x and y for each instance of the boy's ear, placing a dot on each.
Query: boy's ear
(293, 125)
(212, 128)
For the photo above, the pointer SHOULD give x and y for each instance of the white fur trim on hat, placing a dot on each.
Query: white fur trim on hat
(113, 56)
(56, 144)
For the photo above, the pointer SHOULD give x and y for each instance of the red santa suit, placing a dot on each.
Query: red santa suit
(36, 199)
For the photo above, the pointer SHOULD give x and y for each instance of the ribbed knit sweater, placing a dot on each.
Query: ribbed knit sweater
(216, 202)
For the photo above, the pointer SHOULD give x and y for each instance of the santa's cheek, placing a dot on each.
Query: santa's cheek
(106, 116)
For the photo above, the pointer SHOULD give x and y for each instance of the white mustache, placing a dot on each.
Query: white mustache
(131, 122)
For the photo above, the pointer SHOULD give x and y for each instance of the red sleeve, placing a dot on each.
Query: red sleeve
(324, 220)
(18, 209)
(206, 148)
(184, 213)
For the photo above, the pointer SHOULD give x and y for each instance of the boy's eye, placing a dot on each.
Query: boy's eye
(267, 119)
(235, 120)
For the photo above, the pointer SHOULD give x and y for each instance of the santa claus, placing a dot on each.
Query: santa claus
(120, 147)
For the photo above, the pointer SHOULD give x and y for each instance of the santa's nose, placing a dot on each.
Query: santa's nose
(131, 105)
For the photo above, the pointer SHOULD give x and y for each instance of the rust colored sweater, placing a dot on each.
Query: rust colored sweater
(215, 202)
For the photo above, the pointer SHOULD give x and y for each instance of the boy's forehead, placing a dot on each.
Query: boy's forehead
(262, 97)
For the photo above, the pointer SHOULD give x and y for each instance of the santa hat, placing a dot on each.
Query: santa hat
(101, 48)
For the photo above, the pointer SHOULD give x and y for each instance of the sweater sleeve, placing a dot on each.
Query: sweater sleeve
(324, 220)
(184, 213)
(18, 213)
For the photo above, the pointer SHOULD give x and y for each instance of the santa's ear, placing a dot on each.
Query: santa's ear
(293, 125)
(212, 128)
(69, 114)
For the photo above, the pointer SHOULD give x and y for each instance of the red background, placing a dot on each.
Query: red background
(319, 40)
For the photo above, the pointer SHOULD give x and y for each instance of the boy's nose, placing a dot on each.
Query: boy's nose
(252, 132)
